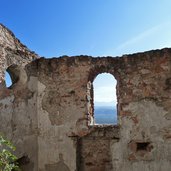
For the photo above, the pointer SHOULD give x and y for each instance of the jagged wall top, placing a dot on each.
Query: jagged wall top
(12, 51)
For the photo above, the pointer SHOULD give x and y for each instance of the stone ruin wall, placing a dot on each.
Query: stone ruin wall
(47, 111)
(12, 52)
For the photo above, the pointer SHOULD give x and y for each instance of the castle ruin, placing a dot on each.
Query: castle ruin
(47, 112)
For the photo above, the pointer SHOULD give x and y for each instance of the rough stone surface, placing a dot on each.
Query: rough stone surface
(12, 52)
(48, 111)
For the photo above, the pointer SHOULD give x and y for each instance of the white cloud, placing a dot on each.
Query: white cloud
(140, 37)
(106, 94)
(156, 37)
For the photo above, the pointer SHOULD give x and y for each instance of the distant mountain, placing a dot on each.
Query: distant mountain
(105, 115)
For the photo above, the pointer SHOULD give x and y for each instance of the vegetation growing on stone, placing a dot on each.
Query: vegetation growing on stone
(8, 161)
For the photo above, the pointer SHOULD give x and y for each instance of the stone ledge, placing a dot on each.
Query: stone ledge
(104, 131)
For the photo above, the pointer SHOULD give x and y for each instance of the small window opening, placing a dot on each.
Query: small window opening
(142, 146)
(12, 75)
(105, 100)
(8, 80)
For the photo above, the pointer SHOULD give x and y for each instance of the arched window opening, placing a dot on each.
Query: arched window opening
(8, 80)
(105, 100)
(13, 74)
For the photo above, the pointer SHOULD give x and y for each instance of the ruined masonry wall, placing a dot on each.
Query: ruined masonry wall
(47, 114)
(12, 52)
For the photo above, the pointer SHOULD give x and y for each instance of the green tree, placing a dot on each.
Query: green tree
(8, 161)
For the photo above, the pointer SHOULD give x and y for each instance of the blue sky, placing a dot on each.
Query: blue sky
(91, 27)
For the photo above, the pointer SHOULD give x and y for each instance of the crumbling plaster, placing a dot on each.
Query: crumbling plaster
(48, 111)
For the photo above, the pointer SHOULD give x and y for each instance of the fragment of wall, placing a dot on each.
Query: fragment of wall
(12, 52)
(17, 103)
(144, 112)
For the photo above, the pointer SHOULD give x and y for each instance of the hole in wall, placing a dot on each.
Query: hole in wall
(24, 160)
(8, 79)
(143, 146)
(105, 99)
(12, 75)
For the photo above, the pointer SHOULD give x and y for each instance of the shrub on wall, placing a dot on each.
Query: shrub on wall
(8, 161)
